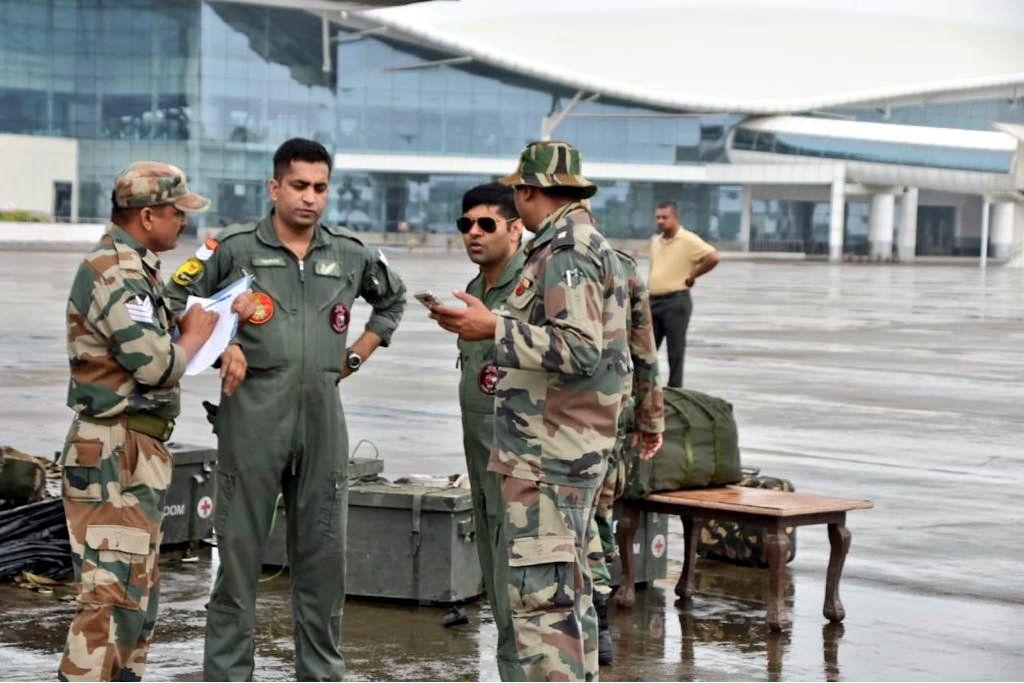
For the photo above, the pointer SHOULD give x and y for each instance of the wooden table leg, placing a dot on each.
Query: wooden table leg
(777, 548)
(625, 532)
(839, 540)
(691, 537)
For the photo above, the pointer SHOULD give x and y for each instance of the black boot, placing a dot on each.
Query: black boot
(605, 647)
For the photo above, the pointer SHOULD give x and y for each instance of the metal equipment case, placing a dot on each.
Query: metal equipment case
(650, 548)
(405, 542)
(188, 506)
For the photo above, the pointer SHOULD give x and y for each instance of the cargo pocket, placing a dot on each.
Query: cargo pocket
(115, 568)
(330, 506)
(80, 471)
(225, 490)
(541, 574)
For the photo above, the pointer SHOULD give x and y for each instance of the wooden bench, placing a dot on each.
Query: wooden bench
(771, 510)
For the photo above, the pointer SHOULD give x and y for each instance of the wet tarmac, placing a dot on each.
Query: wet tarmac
(900, 384)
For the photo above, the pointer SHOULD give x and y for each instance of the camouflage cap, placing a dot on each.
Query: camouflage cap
(151, 183)
(551, 164)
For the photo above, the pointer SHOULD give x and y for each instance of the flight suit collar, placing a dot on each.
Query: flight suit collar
(508, 273)
(265, 233)
(125, 244)
(547, 228)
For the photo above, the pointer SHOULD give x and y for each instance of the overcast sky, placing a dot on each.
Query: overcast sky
(997, 12)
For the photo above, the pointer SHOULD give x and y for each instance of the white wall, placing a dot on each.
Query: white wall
(49, 236)
(29, 165)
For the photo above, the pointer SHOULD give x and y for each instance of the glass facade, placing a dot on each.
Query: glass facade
(970, 114)
(214, 87)
(848, 149)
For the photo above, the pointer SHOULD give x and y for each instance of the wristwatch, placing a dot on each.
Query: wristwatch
(353, 360)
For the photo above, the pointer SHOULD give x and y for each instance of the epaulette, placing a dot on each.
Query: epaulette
(342, 231)
(623, 255)
(564, 238)
(235, 229)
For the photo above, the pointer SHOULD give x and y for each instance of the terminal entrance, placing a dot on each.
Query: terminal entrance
(936, 231)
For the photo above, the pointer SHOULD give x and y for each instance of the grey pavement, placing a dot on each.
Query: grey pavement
(900, 384)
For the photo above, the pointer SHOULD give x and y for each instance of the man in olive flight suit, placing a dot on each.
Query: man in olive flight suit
(491, 232)
(284, 430)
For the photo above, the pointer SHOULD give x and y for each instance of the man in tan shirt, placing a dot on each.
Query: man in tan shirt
(678, 258)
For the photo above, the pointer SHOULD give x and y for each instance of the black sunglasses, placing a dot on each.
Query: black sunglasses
(486, 223)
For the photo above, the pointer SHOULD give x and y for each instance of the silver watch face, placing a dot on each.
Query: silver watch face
(354, 361)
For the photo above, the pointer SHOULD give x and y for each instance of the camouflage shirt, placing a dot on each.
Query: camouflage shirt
(563, 356)
(643, 409)
(119, 342)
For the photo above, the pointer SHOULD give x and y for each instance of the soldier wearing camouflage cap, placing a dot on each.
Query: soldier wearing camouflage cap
(563, 359)
(124, 391)
(641, 424)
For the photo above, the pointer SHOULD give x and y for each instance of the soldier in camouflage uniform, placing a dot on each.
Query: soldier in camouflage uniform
(124, 391)
(284, 430)
(491, 232)
(640, 428)
(563, 359)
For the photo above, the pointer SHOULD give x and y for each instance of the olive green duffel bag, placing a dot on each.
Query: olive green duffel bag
(701, 447)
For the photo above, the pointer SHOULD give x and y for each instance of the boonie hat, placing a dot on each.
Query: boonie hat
(152, 183)
(551, 163)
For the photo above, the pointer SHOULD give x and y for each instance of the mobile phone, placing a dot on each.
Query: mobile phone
(427, 298)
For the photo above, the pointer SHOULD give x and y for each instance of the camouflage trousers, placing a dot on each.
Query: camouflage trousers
(549, 583)
(114, 481)
(602, 550)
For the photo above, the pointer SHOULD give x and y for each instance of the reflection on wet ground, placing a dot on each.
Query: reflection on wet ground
(719, 635)
(902, 385)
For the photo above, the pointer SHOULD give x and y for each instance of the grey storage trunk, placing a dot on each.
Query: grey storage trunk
(650, 548)
(188, 506)
(405, 542)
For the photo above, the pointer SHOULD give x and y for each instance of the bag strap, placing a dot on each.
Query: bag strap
(703, 405)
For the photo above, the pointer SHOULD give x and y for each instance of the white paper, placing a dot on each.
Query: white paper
(227, 324)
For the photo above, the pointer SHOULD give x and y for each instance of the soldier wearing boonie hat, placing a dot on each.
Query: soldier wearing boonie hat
(561, 344)
(124, 391)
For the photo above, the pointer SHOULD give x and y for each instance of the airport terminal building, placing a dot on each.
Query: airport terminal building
(774, 129)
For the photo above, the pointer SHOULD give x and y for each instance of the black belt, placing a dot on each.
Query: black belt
(659, 297)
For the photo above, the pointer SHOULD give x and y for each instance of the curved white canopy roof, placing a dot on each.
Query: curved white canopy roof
(886, 132)
(755, 59)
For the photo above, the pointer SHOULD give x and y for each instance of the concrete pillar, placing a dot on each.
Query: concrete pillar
(744, 236)
(837, 209)
(880, 228)
(1017, 251)
(983, 260)
(906, 238)
(1002, 229)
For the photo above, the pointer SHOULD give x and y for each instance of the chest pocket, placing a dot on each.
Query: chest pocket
(334, 281)
(525, 302)
(272, 275)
